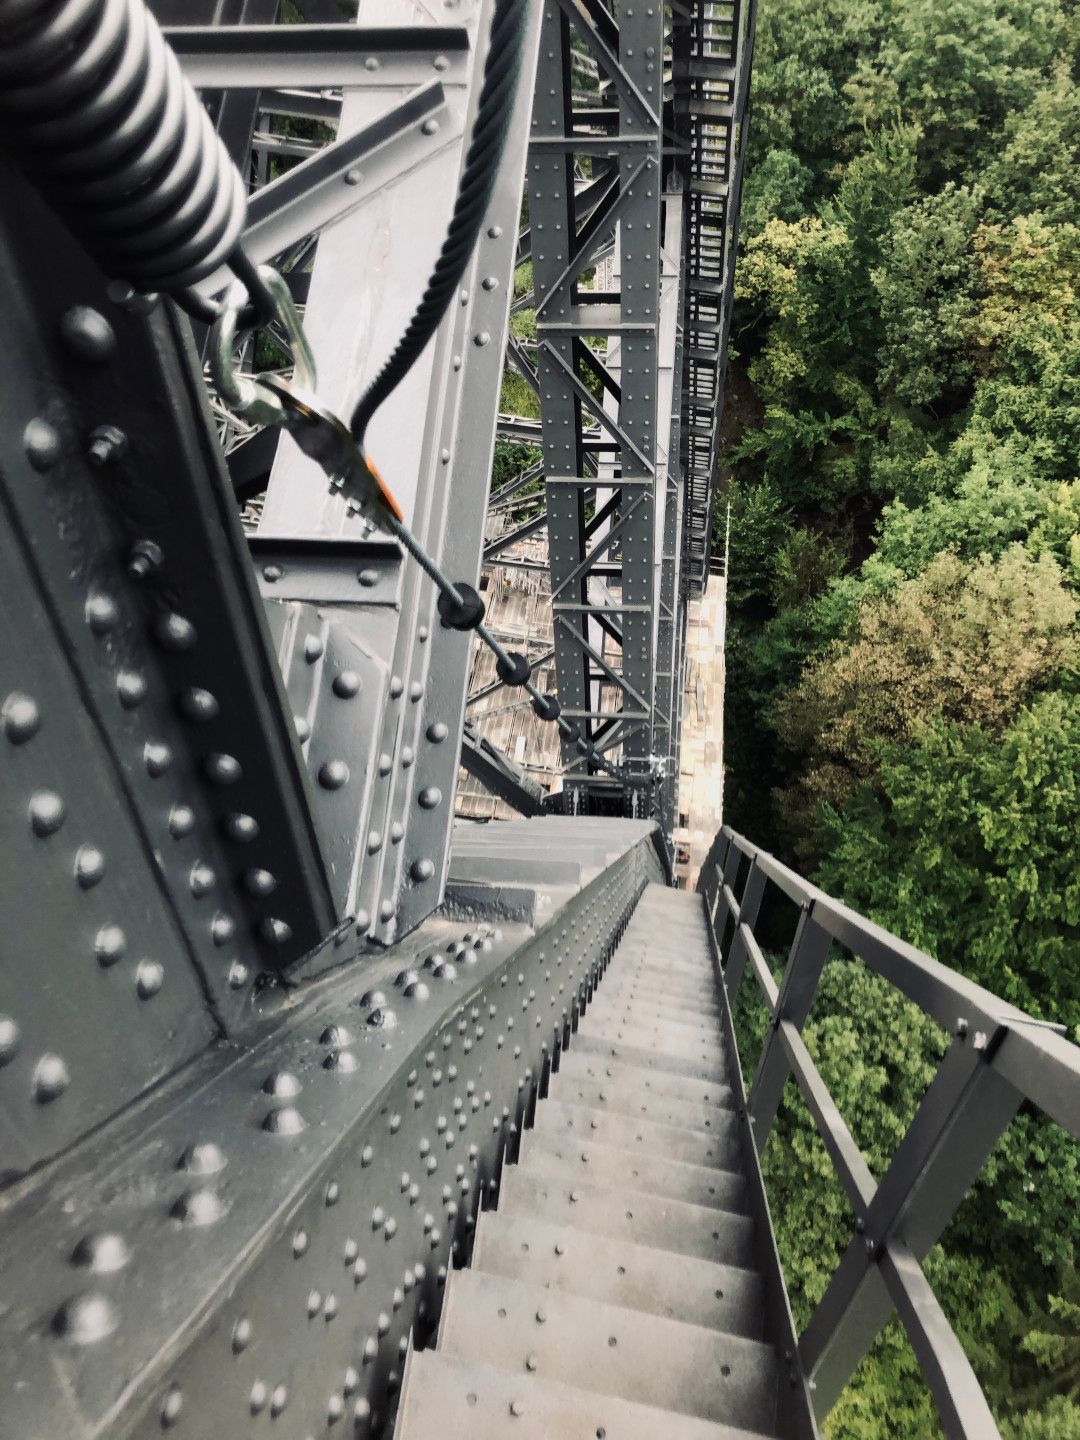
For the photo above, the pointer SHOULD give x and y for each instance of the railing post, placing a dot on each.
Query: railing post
(806, 959)
(749, 906)
(710, 883)
(961, 1118)
(728, 872)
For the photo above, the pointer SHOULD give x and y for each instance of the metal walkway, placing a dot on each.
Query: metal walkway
(617, 1289)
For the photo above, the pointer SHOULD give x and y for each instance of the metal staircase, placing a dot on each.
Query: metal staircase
(620, 1287)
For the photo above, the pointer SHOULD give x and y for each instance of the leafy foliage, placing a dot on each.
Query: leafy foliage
(903, 696)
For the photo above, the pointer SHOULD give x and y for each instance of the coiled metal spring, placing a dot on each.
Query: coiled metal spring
(100, 117)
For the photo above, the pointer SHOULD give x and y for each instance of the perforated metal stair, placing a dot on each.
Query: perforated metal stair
(624, 1287)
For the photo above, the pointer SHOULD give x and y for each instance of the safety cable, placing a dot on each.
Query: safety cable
(474, 195)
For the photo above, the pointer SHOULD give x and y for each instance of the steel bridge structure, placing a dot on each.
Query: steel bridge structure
(306, 1086)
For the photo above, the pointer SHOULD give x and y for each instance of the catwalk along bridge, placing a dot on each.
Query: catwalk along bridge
(323, 1112)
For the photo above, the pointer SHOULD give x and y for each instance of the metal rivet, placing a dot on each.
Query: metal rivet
(149, 978)
(89, 866)
(283, 1084)
(333, 774)
(222, 769)
(198, 1207)
(222, 928)
(87, 335)
(9, 1040)
(437, 732)
(286, 1121)
(131, 689)
(241, 1335)
(199, 705)
(430, 797)
(175, 633)
(202, 1158)
(85, 1319)
(347, 684)
(201, 879)
(102, 613)
(260, 883)
(42, 444)
(313, 648)
(422, 870)
(47, 812)
(21, 717)
(241, 828)
(157, 757)
(104, 1254)
(181, 821)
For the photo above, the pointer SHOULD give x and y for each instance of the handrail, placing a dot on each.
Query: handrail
(999, 1058)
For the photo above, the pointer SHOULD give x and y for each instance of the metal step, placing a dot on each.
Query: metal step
(658, 996)
(665, 1085)
(675, 1142)
(648, 1059)
(446, 1398)
(660, 1038)
(721, 1236)
(640, 1277)
(636, 1101)
(647, 1016)
(614, 1290)
(564, 1157)
(613, 1351)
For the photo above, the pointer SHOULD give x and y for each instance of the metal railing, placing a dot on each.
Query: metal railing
(998, 1059)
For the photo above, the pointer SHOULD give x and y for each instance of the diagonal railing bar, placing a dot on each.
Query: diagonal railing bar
(999, 1059)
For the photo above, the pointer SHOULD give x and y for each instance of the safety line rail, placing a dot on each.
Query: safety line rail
(998, 1059)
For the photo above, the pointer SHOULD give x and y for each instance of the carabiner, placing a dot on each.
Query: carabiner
(247, 395)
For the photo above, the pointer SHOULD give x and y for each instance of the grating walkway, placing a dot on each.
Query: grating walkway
(613, 1292)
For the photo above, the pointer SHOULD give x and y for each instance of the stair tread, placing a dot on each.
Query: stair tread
(646, 1014)
(582, 1066)
(698, 1147)
(457, 1399)
(721, 1236)
(565, 1156)
(608, 1349)
(604, 1046)
(626, 987)
(628, 1098)
(658, 1039)
(618, 1272)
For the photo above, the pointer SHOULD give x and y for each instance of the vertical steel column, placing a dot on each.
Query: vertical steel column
(641, 55)
(671, 608)
(552, 216)
(600, 690)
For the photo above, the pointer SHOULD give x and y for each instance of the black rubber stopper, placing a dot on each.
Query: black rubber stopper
(547, 707)
(466, 616)
(517, 672)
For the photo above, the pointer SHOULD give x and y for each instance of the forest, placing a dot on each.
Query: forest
(902, 461)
